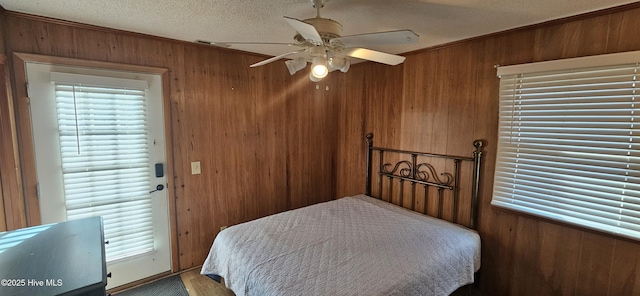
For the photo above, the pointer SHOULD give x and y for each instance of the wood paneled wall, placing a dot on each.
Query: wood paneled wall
(269, 142)
(265, 139)
(442, 99)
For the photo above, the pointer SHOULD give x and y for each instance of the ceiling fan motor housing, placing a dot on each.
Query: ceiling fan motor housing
(327, 28)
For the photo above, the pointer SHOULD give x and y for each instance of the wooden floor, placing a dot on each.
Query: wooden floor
(200, 285)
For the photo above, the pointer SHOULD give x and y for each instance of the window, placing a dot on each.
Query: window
(569, 142)
(105, 158)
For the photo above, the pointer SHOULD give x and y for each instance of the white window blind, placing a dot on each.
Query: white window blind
(105, 163)
(569, 144)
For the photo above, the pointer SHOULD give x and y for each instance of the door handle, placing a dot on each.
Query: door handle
(158, 188)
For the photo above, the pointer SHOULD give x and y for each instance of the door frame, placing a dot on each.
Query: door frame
(25, 139)
(9, 180)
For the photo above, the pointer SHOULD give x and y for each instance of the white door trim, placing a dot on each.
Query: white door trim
(121, 273)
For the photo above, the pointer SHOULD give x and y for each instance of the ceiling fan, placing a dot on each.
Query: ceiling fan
(321, 43)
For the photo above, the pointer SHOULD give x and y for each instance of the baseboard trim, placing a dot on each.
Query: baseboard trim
(150, 279)
(141, 282)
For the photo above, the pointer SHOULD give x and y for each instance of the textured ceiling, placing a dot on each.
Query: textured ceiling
(436, 21)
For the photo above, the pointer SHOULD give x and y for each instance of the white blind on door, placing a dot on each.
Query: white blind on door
(569, 146)
(105, 163)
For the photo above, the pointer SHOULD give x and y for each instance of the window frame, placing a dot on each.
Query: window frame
(567, 65)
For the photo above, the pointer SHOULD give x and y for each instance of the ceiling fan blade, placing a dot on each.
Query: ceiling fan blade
(381, 38)
(229, 44)
(273, 59)
(307, 31)
(376, 56)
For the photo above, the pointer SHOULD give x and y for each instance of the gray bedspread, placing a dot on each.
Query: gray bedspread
(351, 246)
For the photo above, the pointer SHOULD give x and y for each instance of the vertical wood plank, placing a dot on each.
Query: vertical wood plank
(623, 28)
(271, 184)
(596, 259)
(350, 180)
(625, 276)
(559, 256)
(526, 252)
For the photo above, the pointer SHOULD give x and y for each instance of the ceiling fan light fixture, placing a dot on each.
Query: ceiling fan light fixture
(341, 64)
(319, 67)
(321, 43)
(313, 78)
(295, 65)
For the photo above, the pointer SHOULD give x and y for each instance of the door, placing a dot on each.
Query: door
(100, 151)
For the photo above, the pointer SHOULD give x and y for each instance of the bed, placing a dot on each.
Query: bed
(383, 242)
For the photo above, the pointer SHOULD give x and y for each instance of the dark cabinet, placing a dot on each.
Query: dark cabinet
(64, 258)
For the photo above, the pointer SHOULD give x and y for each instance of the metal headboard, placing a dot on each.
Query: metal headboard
(425, 174)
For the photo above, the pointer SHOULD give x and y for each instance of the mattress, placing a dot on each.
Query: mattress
(351, 246)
